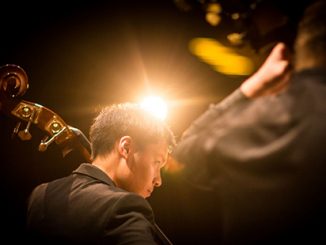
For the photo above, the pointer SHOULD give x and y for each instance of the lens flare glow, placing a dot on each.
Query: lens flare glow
(155, 105)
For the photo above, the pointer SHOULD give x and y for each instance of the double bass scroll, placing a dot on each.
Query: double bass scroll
(13, 85)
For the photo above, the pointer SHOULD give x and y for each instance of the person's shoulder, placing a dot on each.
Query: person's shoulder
(40, 188)
(133, 202)
(133, 198)
(115, 195)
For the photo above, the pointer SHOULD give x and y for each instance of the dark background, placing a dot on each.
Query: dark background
(82, 55)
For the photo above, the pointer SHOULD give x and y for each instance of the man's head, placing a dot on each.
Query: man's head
(310, 44)
(133, 144)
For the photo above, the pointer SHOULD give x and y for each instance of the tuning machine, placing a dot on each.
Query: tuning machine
(26, 113)
(56, 129)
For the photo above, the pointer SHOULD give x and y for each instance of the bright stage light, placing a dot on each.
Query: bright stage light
(155, 105)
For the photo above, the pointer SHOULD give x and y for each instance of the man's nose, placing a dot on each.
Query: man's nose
(158, 180)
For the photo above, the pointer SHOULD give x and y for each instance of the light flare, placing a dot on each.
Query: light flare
(155, 105)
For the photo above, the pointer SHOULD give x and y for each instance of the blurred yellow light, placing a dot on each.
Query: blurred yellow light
(155, 105)
(220, 57)
(212, 14)
(235, 16)
(213, 19)
(214, 8)
(235, 38)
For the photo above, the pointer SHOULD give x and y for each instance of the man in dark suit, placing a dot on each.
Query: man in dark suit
(103, 202)
(264, 159)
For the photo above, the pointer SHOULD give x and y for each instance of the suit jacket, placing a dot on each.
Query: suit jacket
(264, 161)
(86, 207)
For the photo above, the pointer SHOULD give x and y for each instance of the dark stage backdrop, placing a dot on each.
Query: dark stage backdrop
(81, 55)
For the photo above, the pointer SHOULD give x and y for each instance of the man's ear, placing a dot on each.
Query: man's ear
(125, 146)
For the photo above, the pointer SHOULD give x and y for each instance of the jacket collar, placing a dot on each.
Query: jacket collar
(94, 172)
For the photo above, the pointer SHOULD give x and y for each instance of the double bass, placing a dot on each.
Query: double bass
(13, 85)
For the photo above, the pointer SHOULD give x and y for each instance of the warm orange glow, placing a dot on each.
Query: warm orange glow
(220, 57)
(173, 166)
(155, 105)
(214, 8)
(235, 38)
(213, 19)
(213, 11)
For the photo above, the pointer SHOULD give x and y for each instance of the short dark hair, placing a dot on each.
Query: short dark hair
(118, 120)
(311, 36)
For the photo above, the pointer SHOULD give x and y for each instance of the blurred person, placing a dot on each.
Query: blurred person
(262, 160)
(103, 202)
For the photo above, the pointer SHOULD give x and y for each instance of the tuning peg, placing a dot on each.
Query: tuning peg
(27, 113)
(45, 142)
(25, 134)
(16, 129)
